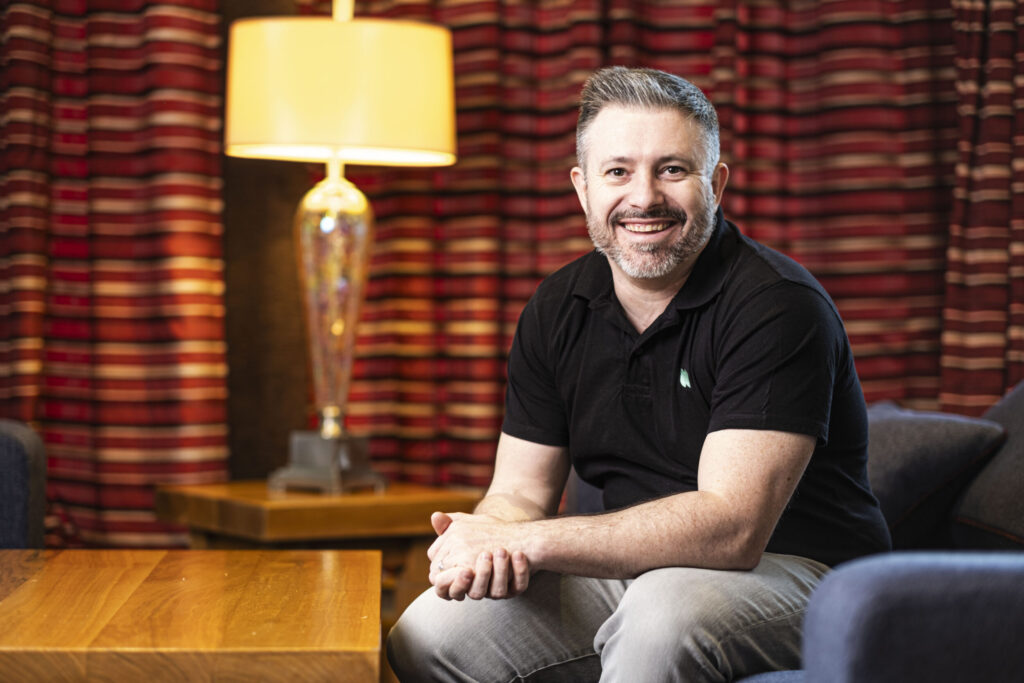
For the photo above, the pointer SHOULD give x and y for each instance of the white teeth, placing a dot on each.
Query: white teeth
(645, 227)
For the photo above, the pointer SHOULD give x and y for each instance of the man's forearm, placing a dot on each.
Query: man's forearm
(689, 529)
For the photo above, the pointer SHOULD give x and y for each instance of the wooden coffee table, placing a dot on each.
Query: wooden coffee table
(186, 615)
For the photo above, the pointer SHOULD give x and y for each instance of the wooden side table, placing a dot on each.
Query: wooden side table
(245, 514)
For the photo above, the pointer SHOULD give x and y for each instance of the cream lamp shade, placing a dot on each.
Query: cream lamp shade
(363, 91)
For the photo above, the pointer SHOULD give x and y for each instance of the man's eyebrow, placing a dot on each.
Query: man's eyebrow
(616, 160)
(680, 159)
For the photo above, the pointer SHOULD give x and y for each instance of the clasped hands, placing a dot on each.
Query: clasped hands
(477, 556)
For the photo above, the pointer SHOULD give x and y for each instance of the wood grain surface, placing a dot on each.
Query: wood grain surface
(189, 615)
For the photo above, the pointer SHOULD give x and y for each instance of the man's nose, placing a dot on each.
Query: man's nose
(645, 191)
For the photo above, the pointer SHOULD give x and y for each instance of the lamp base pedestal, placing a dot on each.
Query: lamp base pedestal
(327, 465)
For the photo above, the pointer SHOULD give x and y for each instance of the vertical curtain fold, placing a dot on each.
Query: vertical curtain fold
(114, 344)
(25, 107)
(983, 317)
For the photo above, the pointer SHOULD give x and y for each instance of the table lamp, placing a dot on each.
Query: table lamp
(337, 90)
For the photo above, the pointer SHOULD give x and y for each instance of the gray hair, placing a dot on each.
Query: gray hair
(647, 89)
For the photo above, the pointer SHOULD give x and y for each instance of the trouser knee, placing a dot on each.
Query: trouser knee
(650, 626)
(406, 647)
(419, 645)
(707, 625)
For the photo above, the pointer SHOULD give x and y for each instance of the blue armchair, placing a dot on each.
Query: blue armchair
(22, 486)
(953, 617)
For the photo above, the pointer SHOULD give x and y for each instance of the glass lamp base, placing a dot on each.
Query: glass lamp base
(328, 465)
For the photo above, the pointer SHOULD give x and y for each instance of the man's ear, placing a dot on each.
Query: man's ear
(719, 179)
(579, 181)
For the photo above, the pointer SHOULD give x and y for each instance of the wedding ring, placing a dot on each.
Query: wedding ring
(440, 565)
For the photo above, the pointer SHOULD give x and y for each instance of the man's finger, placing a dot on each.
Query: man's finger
(500, 574)
(461, 583)
(520, 572)
(432, 550)
(443, 581)
(440, 521)
(482, 578)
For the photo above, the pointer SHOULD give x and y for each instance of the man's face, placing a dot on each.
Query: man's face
(649, 201)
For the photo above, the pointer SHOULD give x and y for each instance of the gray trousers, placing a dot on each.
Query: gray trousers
(673, 624)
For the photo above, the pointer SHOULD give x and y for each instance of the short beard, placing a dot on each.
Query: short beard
(655, 261)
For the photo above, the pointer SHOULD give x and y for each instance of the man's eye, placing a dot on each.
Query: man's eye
(674, 170)
(617, 172)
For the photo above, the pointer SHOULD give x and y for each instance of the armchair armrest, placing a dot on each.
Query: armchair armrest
(22, 486)
(938, 617)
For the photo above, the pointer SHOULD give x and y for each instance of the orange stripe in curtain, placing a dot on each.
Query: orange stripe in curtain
(983, 321)
(112, 339)
(840, 124)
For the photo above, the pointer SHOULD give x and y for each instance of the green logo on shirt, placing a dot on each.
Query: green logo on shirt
(684, 378)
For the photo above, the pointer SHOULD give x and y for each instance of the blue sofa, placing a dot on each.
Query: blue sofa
(947, 605)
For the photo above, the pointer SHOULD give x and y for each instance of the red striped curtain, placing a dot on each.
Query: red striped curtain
(983, 318)
(111, 340)
(872, 140)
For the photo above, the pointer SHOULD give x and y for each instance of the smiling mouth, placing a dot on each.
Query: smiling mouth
(645, 227)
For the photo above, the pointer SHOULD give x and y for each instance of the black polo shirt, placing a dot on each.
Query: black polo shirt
(751, 341)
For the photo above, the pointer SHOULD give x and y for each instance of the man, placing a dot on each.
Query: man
(706, 384)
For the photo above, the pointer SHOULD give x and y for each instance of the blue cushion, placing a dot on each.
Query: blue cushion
(990, 513)
(918, 462)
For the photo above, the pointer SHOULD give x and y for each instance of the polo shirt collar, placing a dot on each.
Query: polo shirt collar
(706, 280)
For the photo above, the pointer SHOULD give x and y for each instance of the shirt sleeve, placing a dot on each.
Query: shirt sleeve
(534, 409)
(777, 363)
